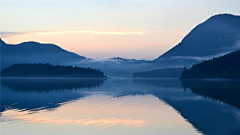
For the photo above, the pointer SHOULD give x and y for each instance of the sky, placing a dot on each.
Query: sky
(132, 29)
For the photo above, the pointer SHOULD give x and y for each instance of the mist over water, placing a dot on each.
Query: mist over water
(118, 106)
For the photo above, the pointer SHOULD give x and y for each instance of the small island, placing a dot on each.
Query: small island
(47, 70)
(227, 67)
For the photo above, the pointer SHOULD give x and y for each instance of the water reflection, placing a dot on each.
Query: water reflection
(162, 83)
(13, 115)
(118, 106)
(36, 94)
(46, 85)
(225, 91)
(211, 117)
(125, 106)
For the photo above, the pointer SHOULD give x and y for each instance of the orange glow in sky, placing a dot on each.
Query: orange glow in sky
(105, 29)
(104, 44)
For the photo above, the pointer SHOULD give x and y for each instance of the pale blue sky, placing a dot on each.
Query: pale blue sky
(162, 24)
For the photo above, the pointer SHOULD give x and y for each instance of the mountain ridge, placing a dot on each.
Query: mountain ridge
(214, 37)
(35, 52)
(220, 29)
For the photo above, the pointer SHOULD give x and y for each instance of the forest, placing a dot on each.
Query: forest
(47, 70)
(227, 66)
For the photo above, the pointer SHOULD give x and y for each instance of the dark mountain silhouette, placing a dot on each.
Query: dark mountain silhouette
(159, 73)
(2, 43)
(47, 70)
(227, 66)
(34, 52)
(218, 35)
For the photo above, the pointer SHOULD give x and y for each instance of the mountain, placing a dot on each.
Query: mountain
(227, 66)
(34, 52)
(218, 35)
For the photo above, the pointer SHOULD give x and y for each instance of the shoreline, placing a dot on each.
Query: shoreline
(52, 78)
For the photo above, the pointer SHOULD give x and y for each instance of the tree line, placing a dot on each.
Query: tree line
(47, 70)
(227, 66)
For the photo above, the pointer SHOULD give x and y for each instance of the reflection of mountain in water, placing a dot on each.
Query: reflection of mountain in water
(225, 91)
(36, 94)
(208, 116)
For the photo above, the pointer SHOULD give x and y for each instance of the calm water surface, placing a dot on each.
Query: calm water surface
(119, 106)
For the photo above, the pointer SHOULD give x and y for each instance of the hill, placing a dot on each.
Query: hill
(47, 70)
(218, 35)
(227, 66)
(34, 52)
(159, 73)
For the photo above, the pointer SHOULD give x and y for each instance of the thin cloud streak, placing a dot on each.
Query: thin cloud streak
(90, 32)
(95, 32)
(200, 58)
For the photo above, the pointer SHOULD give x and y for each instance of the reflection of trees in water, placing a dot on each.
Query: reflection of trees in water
(49, 92)
(46, 85)
(208, 117)
(225, 91)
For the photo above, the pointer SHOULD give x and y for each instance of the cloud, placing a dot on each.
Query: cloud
(90, 32)
(200, 58)
(9, 34)
(97, 32)
(236, 45)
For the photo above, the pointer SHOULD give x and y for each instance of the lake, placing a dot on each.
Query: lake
(119, 106)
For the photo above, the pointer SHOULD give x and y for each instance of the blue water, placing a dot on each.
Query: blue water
(119, 106)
